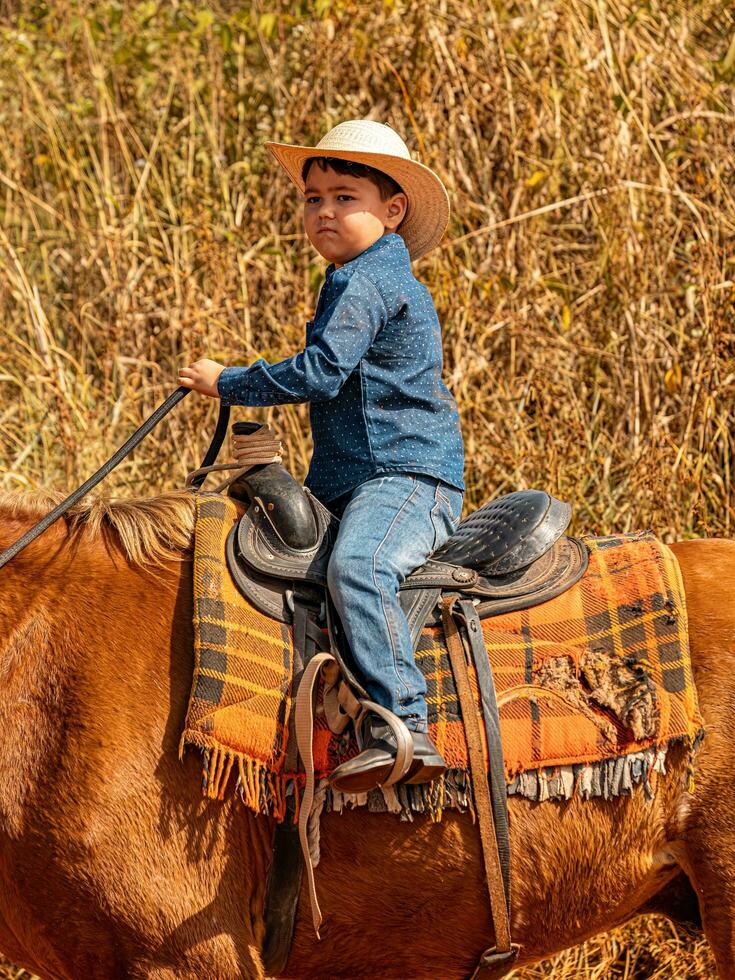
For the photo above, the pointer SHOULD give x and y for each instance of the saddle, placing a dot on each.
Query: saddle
(509, 554)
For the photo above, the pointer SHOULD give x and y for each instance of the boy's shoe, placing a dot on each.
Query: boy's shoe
(428, 762)
(374, 764)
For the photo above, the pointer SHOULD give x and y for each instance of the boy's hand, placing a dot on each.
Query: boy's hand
(202, 376)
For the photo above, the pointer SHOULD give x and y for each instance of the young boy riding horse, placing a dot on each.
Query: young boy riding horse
(388, 455)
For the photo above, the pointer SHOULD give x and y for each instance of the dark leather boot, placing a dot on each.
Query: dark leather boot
(428, 762)
(374, 764)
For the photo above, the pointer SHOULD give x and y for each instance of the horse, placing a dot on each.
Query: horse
(113, 864)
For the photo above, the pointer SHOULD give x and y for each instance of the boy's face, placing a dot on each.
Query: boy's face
(344, 215)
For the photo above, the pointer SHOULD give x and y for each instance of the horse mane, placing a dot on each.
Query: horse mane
(149, 530)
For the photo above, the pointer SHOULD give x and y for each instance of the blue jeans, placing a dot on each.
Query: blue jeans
(389, 527)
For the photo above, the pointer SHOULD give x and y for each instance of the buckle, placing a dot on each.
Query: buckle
(494, 964)
(318, 608)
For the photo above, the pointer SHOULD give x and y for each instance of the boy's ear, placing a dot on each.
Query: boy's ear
(397, 207)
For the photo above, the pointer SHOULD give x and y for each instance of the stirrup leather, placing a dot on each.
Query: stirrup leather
(304, 728)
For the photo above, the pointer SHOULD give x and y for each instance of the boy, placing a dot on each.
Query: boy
(388, 454)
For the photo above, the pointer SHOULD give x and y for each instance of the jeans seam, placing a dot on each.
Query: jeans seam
(434, 515)
(389, 624)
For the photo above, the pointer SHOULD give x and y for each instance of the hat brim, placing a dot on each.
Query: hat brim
(427, 215)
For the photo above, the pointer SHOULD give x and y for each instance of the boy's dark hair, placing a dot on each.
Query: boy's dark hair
(385, 184)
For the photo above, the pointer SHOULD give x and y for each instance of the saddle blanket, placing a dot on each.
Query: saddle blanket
(592, 686)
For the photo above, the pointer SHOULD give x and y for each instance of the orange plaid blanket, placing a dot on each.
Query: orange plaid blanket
(592, 686)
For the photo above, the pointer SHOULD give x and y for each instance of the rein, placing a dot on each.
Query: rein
(150, 423)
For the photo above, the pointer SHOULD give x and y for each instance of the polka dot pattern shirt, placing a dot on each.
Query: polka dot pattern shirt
(371, 370)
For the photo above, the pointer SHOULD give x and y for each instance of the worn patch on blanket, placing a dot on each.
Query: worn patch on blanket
(592, 685)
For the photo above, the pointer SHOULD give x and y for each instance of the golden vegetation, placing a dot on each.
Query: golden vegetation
(586, 284)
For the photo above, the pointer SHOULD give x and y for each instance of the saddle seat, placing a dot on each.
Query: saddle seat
(511, 553)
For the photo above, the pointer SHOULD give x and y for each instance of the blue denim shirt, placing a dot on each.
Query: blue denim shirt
(371, 369)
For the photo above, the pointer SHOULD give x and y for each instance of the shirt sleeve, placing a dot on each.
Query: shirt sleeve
(341, 337)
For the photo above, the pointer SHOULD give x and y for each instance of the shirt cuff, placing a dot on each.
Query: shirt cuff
(232, 385)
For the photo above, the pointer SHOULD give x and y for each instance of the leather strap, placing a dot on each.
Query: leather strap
(340, 704)
(304, 715)
(504, 952)
(282, 893)
(418, 605)
(494, 964)
(404, 741)
(307, 637)
(489, 701)
(117, 457)
(304, 725)
(339, 646)
(286, 870)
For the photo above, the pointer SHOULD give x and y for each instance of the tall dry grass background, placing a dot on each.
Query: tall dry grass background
(586, 284)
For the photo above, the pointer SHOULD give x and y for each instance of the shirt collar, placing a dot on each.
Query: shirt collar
(389, 241)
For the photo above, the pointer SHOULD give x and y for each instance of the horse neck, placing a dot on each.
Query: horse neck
(94, 646)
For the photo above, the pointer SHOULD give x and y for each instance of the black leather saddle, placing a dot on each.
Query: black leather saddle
(509, 554)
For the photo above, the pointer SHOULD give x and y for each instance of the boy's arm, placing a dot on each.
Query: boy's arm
(353, 321)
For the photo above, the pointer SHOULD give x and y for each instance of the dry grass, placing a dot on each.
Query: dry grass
(10, 972)
(586, 284)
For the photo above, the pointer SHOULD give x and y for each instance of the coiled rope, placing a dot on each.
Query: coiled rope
(249, 449)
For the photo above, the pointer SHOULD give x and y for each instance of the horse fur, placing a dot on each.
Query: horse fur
(113, 865)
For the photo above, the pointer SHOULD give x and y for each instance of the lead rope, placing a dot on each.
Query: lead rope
(127, 447)
(251, 449)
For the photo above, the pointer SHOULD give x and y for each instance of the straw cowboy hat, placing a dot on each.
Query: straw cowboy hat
(379, 146)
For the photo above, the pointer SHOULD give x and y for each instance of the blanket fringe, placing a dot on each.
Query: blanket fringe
(260, 789)
(265, 792)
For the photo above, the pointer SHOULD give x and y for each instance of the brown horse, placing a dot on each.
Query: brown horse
(112, 865)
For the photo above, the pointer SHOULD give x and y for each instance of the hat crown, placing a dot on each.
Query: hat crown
(364, 136)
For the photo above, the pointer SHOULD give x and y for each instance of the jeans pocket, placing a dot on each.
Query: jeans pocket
(443, 518)
(452, 500)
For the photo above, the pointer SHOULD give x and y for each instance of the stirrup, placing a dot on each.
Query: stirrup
(404, 741)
